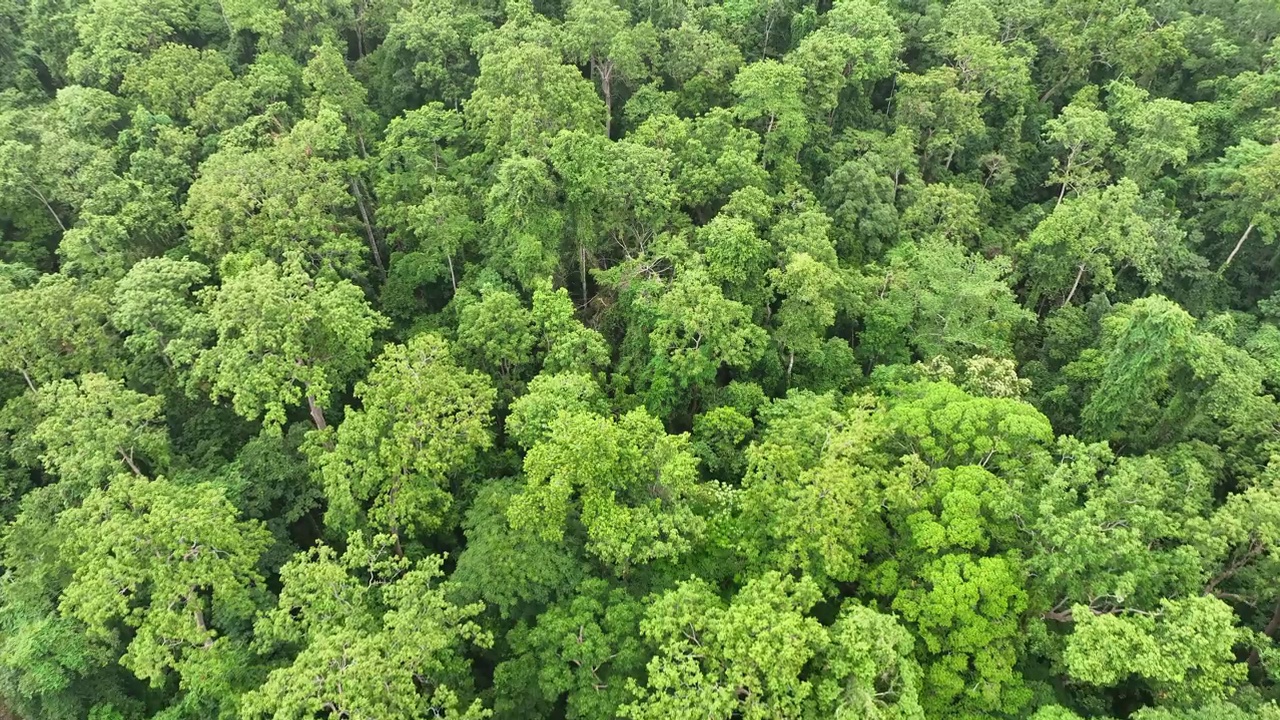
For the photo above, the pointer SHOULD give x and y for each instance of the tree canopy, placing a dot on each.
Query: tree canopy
(596, 359)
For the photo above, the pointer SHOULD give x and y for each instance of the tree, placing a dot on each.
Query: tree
(291, 197)
(421, 420)
(524, 96)
(114, 34)
(760, 655)
(697, 331)
(966, 613)
(57, 327)
(496, 335)
(859, 45)
(584, 648)
(599, 34)
(1161, 647)
(769, 98)
(805, 509)
(1084, 132)
(377, 637)
(511, 570)
(171, 562)
(154, 305)
(1097, 232)
(956, 305)
(424, 210)
(717, 659)
(432, 40)
(173, 77)
(96, 428)
(1161, 132)
(524, 223)
(943, 114)
(282, 336)
(1247, 179)
(634, 487)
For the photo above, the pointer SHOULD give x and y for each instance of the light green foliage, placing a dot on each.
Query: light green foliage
(869, 670)
(548, 396)
(511, 569)
(634, 488)
(935, 299)
(566, 345)
(944, 115)
(282, 336)
(583, 649)
(153, 304)
(524, 95)
(331, 87)
(622, 190)
(1184, 647)
(173, 77)
(1094, 234)
(422, 418)
(945, 212)
(811, 489)
(661, 359)
(496, 335)
(115, 33)
(1119, 537)
(377, 638)
(96, 428)
(761, 655)
(966, 613)
(436, 37)
(712, 156)
(1247, 179)
(56, 328)
(1161, 132)
(698, 331)
(718, 435)
(271, 79)
(717, 659)
(736, 258)
(769, 98)
(945, 426)
(521, 218)
(171, 562)
(282, 199)
(1084, 133)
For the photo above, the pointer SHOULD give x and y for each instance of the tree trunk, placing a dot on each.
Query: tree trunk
(582, 272)
(368, 227)
(317, 413)
(40, 196)
(1066, 171)
(128, 460)
(1074, 286)
(1269, 631)
(1053, 89)
(606, 86)
(1236, 249)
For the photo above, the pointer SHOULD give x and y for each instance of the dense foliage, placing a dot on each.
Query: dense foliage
(590, 359)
